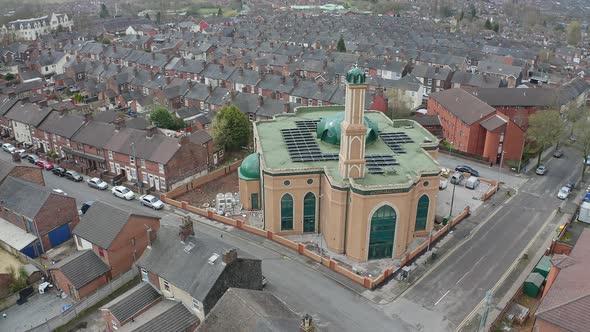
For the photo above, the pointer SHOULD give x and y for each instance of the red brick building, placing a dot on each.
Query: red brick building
(117, 236)
(474, 127)
(80, 274)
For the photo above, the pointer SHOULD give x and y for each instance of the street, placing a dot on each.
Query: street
(290, 277)
(458, 283)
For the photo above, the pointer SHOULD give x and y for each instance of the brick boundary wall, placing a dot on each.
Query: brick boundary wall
(197, 182)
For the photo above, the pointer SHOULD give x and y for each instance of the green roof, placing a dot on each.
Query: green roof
(250, 168)
(328, 129)
(275, 156)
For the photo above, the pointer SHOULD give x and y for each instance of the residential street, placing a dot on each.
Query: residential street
(458, 283)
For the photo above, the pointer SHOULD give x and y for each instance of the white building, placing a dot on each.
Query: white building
(32, 28)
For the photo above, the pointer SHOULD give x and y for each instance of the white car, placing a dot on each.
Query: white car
(443, 183)
(59, 191)
(97, 183)
(564, 192)
(7, 147)
(151, 201)
(123, 192)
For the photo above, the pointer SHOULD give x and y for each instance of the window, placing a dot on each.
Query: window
(287, 183)
(309, 181)
(54, 137)
(144, 177)
(162, 183)
(80, 146)
(422, 213)
(69, 142)
(161, 168)
(309, 213)
(132, 160)
(112, 167)
(144, 275)
(99, 151)
(45, 134)
(166, 285)
(142, 163)
(101, 165)
(196, 305)
(110, 154)
(287, 212)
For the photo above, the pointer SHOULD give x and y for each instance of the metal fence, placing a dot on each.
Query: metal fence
(100, 294)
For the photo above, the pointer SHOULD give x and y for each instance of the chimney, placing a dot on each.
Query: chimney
(137, 37)
(87, 117)
(186, 228)
(115, 49)
(287, 107)
(260, 74)
(260, 101)
(283, 80)
(78, 59)
(307, 324)
(150, 131)
(321, 86)
(221, 68)
(183, 61)
(151, 235)
(230, 256)
(153, 56)
(241, 71)
(119, 68)
(232, 94)
(119, 123)
(168, 80)
(151, 75)
(203, 63)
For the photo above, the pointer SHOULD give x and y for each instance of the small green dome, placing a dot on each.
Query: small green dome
(328, 129)
(250, 168)
(356, 76)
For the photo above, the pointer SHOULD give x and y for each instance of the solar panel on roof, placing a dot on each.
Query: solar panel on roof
(310, 125)
(303, 147)
(395, 140)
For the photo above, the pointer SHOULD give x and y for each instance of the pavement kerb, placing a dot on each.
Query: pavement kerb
(286, 253)
(510, 269)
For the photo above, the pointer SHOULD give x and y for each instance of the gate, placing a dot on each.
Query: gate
(59, 235)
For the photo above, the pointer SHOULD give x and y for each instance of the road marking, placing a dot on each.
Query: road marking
(505, 275)
(471, 269)
(465, 275)
(442, 297)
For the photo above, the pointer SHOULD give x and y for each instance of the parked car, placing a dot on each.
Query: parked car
(558, 153)
(22, 153)
(85, 206)
(151, 201)
(59, 171)
(97, 183)
(7, 147)
(443, 183)
(457, 178)
(123, 192)
(541, 170)
(570, 185)
(564, 192)
(46, 165)
(472, 182)
(33, 158)
(466, 169)
(59, 191)
(74, 176)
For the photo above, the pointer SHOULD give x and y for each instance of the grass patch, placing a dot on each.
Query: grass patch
(71, 324)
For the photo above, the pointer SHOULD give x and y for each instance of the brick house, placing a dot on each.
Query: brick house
(24, 118)
(30, 173)
(474, 127)
(201, 271)
(5, 105)
(143, 308)
(56, 131)
(80, 274)
(117, 236)
(38, 210)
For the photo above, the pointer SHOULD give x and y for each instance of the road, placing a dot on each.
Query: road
(290, 277)
(458, 283)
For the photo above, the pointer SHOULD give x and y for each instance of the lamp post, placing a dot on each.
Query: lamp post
(450, 147)
(500, 167)
(452, 200)
(135, 165)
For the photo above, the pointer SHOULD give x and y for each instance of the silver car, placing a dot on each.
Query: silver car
(97, 183)
(151, 201)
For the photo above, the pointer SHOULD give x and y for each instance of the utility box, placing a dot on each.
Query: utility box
(544, 266)
(533, 283)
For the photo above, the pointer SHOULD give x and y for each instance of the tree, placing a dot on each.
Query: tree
(162, 118)
(159, 18)
(106, 41)
(488, 25)
(60, 28)
(496, 26)
(231, 129)
(574, 33)
(147, 15)
(219, 12)
(473, 11)
(461, 16)
(9, 77)
(545, 128)
(582, 143)
(341, 47)
(104, 12)
(573, 114)
(399, 104)
(78, 98)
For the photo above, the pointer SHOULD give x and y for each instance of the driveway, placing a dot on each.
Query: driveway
(35, 312)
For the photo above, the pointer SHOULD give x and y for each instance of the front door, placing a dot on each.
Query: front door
(382, 234)
(157, 183)
(254, 198)
(151, 179)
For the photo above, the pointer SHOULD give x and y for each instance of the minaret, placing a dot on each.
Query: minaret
(354, 132)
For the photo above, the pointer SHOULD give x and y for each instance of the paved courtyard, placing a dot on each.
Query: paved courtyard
(34, 312)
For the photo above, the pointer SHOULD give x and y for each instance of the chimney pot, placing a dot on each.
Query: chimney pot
(287, 107)
(307, 324)
(260, 101)
(119, 123)
(186, 228)
(230, 256)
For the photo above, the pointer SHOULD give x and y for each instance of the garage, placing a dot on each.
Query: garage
(59, 235)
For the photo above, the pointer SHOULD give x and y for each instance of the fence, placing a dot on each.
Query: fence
(204, 179)
(86, 303)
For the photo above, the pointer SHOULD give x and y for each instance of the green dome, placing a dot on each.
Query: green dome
(356, 76)
(328, 129)
(250, 168)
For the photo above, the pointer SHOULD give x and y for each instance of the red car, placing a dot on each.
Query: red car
(45, 164)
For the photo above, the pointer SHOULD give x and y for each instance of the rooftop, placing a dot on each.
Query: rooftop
(275, 155)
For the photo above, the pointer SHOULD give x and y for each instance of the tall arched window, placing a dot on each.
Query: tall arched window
(309, 213)
(422, 213)
(287, 212)
(382, 235)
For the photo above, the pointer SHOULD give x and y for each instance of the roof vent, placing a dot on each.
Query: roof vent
(213, 259)
(189, 247)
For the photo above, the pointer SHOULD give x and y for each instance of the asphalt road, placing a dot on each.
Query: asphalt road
(453, 288)
(299, 284)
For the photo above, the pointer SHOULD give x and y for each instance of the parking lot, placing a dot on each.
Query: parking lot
(34, 312)
(463, 197)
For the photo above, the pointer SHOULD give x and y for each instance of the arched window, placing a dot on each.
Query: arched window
(287, 212)
(309, 213)
(422, 213)
(382, 233)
